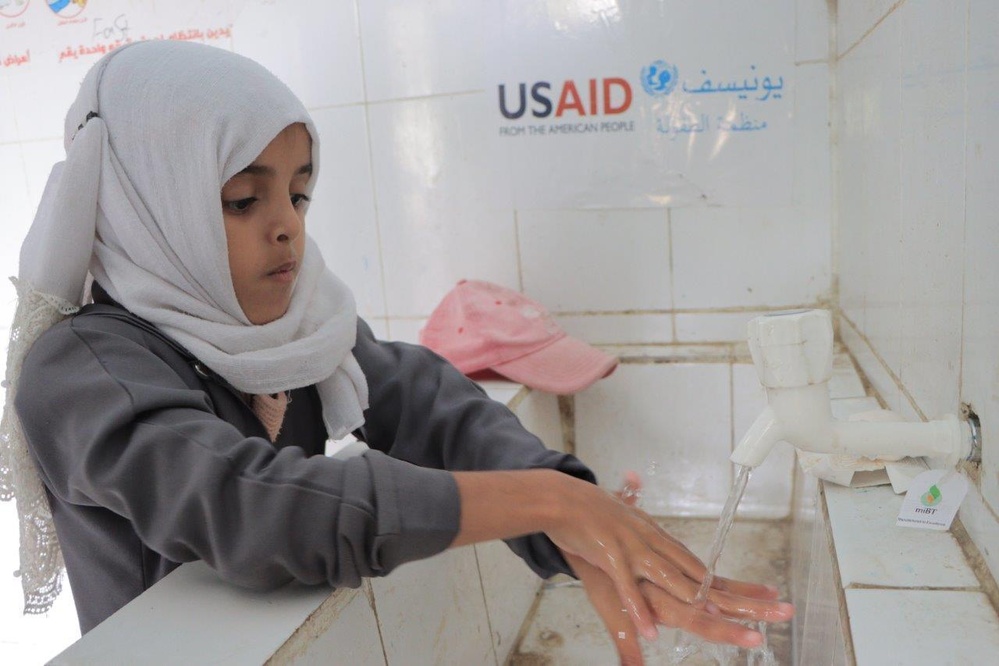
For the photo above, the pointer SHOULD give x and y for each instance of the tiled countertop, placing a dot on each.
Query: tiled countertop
(911, 596)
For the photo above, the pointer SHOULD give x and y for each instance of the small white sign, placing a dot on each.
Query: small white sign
(933, 500)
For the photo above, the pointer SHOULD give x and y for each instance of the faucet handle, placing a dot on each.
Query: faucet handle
(792, 349)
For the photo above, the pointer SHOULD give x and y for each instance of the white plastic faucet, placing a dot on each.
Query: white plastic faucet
(793, 355)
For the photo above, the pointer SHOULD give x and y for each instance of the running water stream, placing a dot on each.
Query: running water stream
(687, 644)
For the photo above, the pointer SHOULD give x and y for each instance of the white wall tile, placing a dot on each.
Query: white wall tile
(8, 129)
(725, 257)
(812, 185)
(417, 49)
(850, 226)
(42, 94)
(881, 196)
(406, 329)
(631, 329)
(604, 261)
(981, 305)
(982, 526)
(891, 627)
(669, 422)
(29, 639)
(811, 29)
(932, 198)
(509, 588)
(379, 327)
(39, 158)
(881, 381)
(341, 216)
(845, 382)
(311, 45)
(502, 390)
(713, 326)
(855, 17)
(421, 619)
(901, 556)
(444, 211)
(819, 620)
(539, 413)
(804, 517)
(16, 213)
(352, 635)
(768, 494)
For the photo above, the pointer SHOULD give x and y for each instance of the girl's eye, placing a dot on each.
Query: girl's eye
(239, 205)
(299, 199)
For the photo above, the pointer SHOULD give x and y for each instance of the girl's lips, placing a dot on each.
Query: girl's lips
(284, 272)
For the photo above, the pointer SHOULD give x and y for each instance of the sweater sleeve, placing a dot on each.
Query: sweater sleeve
(424, 411)
(112, 425)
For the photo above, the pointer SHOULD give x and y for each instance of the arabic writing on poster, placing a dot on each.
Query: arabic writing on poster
(706, 105)
(16, 59)
(676, 125)
(109, 35)
(770, 89)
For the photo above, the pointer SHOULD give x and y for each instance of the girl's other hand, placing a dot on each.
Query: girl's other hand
(666, 577)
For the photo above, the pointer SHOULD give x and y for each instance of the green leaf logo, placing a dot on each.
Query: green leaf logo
(931, 497)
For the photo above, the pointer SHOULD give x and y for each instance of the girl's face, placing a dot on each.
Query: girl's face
(264, 210)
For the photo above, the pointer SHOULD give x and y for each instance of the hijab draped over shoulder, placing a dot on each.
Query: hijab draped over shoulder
(156, 131)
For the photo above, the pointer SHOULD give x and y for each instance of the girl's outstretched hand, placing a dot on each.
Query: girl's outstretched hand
(665, 576)
(631, 567)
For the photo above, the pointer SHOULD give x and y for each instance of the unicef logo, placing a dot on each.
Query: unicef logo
(659, 78)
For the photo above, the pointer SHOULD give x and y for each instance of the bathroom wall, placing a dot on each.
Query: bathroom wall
(916, 144)
(656, 218)
(668, 209)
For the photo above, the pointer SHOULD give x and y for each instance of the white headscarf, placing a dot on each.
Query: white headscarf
(155, 132)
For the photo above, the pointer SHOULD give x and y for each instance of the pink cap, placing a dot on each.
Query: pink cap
(482, 326)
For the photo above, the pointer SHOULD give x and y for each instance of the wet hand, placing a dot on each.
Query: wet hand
(666, 576)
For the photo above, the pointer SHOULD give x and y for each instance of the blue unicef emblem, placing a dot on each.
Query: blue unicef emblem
(659, 78)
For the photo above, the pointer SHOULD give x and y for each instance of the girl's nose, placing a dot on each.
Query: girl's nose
(288, 224)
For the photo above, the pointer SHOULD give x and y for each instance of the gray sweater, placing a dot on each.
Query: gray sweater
(151, 460)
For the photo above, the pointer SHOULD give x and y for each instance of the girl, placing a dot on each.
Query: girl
(182, 414)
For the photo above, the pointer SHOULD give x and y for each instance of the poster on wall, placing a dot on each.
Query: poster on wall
(607, 104)
(47, 46)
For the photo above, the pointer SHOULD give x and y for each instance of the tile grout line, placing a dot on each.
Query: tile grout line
(866, 34)
(672, 287)
(485, 604)
(371, 172)
(844, 611)
(964, 230)
(903, 392)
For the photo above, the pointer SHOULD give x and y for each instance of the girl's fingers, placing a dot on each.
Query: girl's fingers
(672, 580)
(751, 608)
(669, 578)
(744, 589)
(634, 603)
(672, 612)
(601, 593)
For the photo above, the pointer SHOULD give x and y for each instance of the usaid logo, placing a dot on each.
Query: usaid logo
(595, 97)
